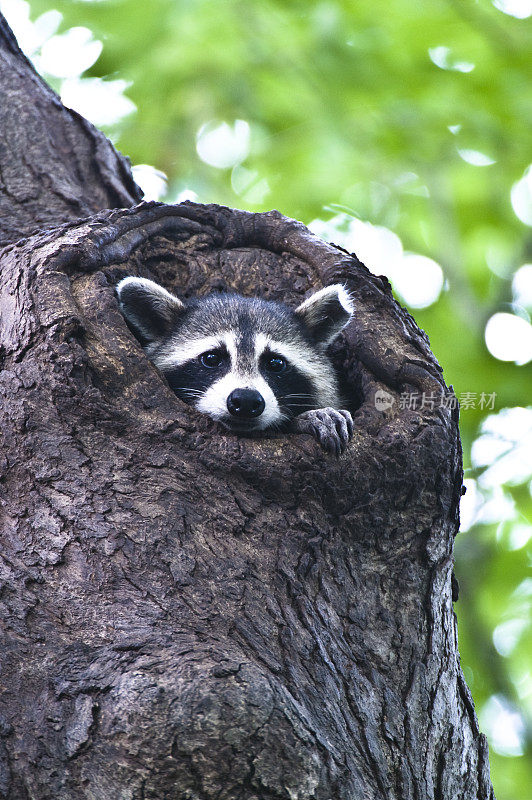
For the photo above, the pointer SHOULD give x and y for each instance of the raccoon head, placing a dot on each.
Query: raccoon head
(248, 363)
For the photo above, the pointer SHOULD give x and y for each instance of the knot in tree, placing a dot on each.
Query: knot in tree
(192, 614)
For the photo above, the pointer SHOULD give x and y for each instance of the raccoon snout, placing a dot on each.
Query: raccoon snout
(245, 403)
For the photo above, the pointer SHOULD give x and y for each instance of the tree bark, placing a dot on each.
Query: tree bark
(54, 165)
(193, 615)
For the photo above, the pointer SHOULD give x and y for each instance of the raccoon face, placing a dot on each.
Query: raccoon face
(248, 363)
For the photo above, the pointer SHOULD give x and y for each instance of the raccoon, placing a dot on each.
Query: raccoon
(251, 364)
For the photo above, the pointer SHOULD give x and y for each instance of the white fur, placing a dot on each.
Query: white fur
(318, 315)
(345, 298)
(173, 356)
(337, 289)
(214, 401)
(308, 363)
(309, 360)
(165, 304)
(151, 288)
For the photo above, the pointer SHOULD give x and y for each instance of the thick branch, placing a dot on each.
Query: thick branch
(54, 165)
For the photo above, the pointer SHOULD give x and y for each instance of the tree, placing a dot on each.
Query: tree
(401, 134)
(187, 613)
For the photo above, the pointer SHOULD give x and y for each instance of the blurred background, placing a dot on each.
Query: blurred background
(403, 132)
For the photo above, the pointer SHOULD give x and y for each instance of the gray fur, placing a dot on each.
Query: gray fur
(176, 336)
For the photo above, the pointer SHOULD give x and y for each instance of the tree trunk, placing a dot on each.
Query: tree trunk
(54, 165)
(189, 614)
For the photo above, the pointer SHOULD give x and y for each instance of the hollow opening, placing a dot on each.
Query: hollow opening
(189, 268)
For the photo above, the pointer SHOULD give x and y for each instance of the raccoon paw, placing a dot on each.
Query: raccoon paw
(332, 428)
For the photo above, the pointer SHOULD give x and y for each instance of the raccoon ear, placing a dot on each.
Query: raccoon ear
(149, 309)
(326, 313)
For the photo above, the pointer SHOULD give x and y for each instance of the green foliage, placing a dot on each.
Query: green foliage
(359, 108)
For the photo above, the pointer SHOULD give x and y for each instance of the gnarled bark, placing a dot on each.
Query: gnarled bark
(54, 165)
(202, 615)
(194, 615)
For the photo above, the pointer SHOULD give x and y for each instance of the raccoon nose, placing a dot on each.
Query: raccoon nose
(245, 403)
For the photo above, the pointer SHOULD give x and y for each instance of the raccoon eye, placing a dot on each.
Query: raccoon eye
(275, 364)
(212, 359)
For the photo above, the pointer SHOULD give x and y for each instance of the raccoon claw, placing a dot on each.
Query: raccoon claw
(331, 427)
